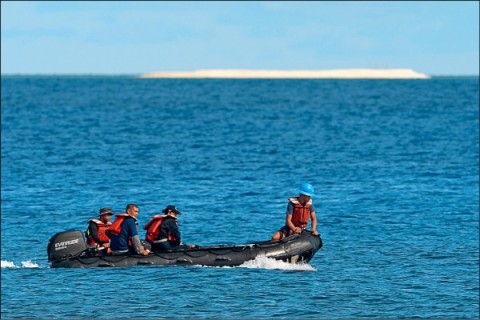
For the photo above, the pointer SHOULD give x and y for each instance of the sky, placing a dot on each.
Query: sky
(122, 37)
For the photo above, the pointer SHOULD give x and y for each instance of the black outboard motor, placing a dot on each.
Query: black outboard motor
(65, 245)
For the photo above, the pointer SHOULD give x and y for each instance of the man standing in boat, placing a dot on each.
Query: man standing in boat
(123, 233)
(299, 210)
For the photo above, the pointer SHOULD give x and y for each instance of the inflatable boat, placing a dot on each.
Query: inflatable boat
(68, 249)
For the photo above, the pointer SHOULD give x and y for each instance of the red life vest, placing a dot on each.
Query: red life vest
(153, 228)
(116, 226)
(102, 228)
(301, 214)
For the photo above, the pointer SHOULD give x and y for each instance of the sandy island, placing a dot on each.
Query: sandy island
(292, 74)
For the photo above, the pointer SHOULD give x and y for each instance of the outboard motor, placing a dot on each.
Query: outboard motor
(65, 245)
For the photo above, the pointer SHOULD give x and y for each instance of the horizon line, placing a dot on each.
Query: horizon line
(358, 73)
(139, 75)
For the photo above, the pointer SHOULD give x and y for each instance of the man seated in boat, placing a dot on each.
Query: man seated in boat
(97, 239)
(299, 210)
(163, 233)
(123, 233)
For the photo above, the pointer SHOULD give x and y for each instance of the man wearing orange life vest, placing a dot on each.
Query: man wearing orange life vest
(95, 233)
(163, 233)
(123, 233)
(299, 210)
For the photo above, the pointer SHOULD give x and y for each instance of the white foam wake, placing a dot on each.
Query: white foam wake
(25, 264)
(8, 264)
(259, 262)
(270, 263)
(29, 264)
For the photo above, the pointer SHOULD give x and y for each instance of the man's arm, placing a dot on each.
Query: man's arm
(172, 226)
(136, 242)
(313, 216)
(94, 232)
(288, 219)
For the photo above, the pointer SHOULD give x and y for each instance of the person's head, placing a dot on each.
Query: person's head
(132, 210)
(306, 192)
(105, 214)
(171, 210)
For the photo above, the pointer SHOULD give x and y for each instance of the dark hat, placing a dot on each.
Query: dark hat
(172, 208)
(106, 210)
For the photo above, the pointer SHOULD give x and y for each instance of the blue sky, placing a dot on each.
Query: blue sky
(434, 37)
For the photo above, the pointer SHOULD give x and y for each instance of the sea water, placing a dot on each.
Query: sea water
(394, 164)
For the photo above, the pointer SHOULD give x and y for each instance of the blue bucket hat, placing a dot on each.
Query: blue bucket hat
(306, 189)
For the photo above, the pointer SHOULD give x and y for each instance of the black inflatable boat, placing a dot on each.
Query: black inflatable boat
(68, 250)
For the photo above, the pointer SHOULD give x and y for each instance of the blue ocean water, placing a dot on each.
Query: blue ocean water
(394, 164)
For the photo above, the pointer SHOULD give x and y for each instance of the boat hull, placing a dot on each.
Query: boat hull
(297, 248)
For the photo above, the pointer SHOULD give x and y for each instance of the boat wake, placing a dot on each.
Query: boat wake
(257, 263)
(270, 263)
(25, 264)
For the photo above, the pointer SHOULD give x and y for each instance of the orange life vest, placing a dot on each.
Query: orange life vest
(116, 226)
(153, 228)
(301, 213)
(102, 228)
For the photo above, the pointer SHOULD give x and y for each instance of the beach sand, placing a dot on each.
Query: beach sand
(292, 74)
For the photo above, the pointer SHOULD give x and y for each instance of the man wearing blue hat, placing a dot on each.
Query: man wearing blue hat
(299, 210)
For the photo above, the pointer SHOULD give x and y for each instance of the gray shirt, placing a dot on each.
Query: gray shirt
(137, 244)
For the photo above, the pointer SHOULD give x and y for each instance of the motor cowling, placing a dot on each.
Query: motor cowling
(65, 245)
